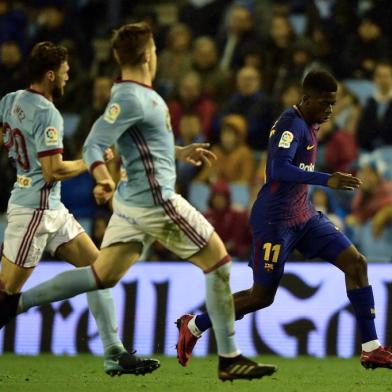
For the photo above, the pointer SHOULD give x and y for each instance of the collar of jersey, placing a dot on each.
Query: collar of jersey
(133, 81)
(31, 90)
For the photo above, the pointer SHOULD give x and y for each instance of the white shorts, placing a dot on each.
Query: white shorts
(31, 231)
(175, 224)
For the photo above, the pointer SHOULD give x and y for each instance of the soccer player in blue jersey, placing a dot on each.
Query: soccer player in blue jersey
(283, 219)
(32, 133)
(145, 205)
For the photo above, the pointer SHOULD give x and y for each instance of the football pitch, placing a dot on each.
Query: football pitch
(84, 373)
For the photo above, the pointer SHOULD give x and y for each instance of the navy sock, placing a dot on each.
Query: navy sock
(203, 321)
(363, 303)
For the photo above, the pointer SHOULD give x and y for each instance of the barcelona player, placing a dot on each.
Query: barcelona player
(145, 205)
(283, 219)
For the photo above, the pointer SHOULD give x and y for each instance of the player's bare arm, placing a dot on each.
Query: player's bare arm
(345, 181)
(55, 169)
(196, 154)
(103, 190)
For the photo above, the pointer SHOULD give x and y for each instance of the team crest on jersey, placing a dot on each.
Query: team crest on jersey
(286, 139)
(112, 112)
(51, 136)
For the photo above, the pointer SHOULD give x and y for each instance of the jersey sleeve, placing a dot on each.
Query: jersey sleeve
(121, 113)
(2, 105)
(48, 133)
(282, 168)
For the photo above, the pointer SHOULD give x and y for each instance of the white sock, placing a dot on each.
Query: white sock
(371, 346)
(193, 328)
(220, 308)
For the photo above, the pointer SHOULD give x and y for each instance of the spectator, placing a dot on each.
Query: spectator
(324, 201)
(251, 101)
(53, 25)
(288, 97)
(375, 192)
(203, 17)
(238, 35)
(374, 129)
(300, 62)
(231, 224)
(235, 161)
(278, 47)
(364, 49)
(100, 97)
(12, 70)
(339, 147)
(190, 132)
(190, 100)
(102, 61)
(215, 81)
(175, 59)
(13, 23)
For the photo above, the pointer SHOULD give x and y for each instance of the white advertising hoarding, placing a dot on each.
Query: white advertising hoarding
(311, 314)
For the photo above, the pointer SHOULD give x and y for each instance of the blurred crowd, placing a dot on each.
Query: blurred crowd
(226, 70)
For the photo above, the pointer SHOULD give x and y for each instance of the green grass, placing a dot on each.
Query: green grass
(84, 373)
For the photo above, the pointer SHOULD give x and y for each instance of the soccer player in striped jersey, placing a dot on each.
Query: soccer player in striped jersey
(145, 205)
(283, 219)
(32, 132)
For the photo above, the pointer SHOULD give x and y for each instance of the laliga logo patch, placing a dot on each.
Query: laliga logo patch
(112, 113)
(286, 139)
(51, 136)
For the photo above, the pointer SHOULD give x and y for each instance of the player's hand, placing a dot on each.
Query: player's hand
(345, 181)
(196, 154)
(103, 191)
(108, 155)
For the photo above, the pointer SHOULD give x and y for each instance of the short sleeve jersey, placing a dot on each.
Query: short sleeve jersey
(136, 120)
(32, 128)
(287, 203)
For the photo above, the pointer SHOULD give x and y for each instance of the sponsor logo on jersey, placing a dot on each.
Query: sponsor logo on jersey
(23, 182)
(309, 168)
(286, 139)
(310, 147)
(112, 112)
(51, 136)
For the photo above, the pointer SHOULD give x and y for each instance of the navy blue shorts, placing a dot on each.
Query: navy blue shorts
(318, 237)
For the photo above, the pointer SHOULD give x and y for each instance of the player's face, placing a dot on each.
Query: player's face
(60, 80)
(319, 107)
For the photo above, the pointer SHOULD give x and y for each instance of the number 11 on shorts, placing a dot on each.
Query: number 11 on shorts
(271, 250)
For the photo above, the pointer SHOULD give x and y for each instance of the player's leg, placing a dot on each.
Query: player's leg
(270, 250)
(13, 277)
(82, 252)
(24, 242)
(322, 239)
(193, 238)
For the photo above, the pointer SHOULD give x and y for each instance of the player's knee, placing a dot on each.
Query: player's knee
(262, 302)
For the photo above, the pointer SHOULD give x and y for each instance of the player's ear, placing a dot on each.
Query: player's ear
(147, 56)
(51, 76)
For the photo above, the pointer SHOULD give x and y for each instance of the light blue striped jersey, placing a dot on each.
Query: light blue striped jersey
(32, 128)
(136, 120)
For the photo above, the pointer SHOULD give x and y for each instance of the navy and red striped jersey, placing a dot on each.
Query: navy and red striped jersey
(292, 151)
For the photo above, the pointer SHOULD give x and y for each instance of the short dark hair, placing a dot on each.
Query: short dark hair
(130, 41)
(319, 81)
(45, 56)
